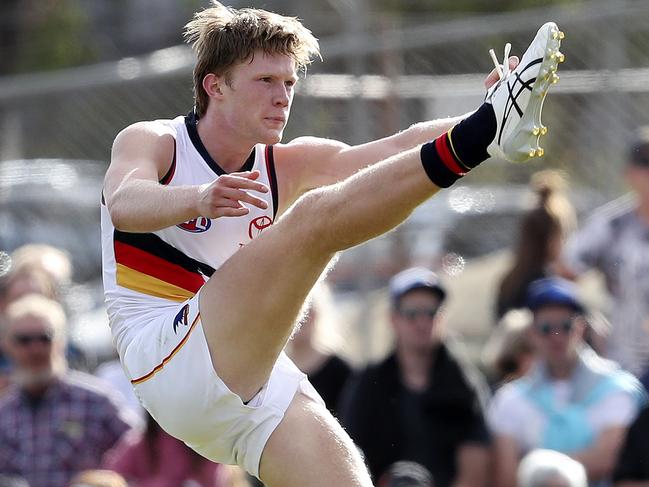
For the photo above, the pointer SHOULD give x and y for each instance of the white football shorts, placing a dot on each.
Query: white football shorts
(169, 365)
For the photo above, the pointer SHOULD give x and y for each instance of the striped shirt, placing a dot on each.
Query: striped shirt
(615, 241)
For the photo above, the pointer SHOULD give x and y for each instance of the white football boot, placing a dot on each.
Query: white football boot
(518, 97)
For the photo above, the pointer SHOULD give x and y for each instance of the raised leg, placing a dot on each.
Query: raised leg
(249, 306)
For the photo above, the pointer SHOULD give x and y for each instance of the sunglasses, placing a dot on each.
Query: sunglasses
(548, 328)
(24, 340)
(411, 314)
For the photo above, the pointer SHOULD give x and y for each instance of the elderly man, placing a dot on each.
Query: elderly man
(53, 423)
(423, 403)
(572, 401)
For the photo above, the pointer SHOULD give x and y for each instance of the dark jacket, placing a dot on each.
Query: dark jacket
(448, 414)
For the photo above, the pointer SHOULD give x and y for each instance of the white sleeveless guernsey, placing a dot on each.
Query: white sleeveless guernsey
(145, 273)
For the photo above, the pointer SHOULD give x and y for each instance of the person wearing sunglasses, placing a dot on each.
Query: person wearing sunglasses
(423, 403)
(571, 401)
(53, 422)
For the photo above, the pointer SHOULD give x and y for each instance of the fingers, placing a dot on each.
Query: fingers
(237, 187)
(240, 196)
(493, 77)
(229, 194)
(241, 211)
(513, 62)
(243, 180)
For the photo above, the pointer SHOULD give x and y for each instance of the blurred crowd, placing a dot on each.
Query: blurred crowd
(558, 398)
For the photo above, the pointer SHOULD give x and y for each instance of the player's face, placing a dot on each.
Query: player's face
(414, 320)
(258, 97)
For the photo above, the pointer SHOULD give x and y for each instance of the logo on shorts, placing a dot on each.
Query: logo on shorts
(258, 224)
(197, 225)
(182, 318)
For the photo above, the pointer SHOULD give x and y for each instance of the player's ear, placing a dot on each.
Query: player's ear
(213, 84)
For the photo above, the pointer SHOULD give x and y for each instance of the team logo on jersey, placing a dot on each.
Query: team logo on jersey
(182, 318)
(197, 225)
(258, 224)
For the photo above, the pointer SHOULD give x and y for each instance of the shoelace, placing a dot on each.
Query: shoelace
(502, 70)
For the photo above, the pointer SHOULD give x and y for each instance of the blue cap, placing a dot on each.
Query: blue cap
(415, 278)
(553, 291)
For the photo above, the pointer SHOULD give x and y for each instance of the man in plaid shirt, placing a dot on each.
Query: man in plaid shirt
(54, 423)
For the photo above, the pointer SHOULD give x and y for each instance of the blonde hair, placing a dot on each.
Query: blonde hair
(223, 36)
(40, 307)
(52, 260)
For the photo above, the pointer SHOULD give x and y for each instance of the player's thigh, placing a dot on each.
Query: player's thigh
(250, 305)
(309, 448)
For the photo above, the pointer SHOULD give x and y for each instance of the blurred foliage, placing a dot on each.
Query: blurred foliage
(464, 6)
(49, 34)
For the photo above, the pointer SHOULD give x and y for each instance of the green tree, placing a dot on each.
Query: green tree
(51, 34)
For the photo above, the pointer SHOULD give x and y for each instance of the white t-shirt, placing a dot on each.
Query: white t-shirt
(512, 413)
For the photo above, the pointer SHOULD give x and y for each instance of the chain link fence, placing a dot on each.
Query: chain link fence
(372, 85)
(409, 74)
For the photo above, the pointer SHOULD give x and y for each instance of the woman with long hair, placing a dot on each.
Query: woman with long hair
(542, 232)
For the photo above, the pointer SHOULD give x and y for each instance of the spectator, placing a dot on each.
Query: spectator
(36, 269)
(312, 348)
(54, 423)
(153, 458)
(508, 354)
(406, 474)
(632, 469)
(422, 403)
(571, 401)
(615, 241)
(548, 468)
(45, 270)
(542, 233)
(98, 478)
(5, 372)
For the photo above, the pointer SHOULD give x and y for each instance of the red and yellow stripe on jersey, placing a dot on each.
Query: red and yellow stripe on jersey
(147, 264)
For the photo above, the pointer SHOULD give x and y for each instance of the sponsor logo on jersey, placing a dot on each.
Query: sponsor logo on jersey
(182, 318)
(258, 225)
(198, 225)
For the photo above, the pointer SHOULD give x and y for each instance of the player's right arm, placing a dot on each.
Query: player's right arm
(137, 202)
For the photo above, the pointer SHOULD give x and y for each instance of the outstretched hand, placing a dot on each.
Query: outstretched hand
(493, 77)
(226, 195)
